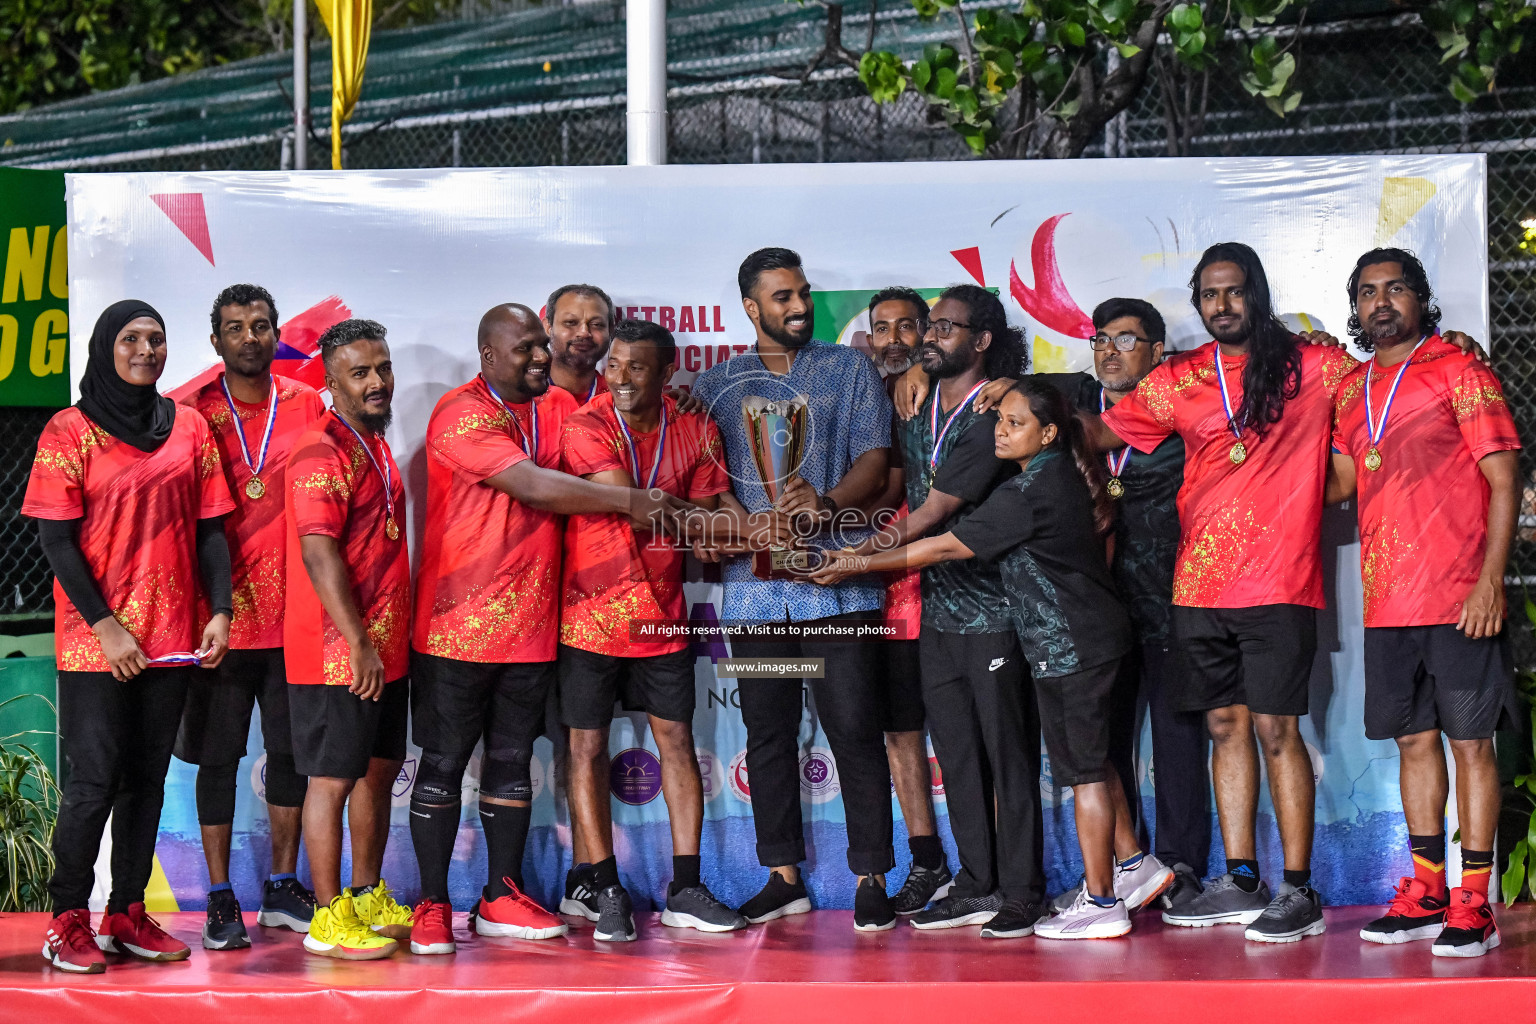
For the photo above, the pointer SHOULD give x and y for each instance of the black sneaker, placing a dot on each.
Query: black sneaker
(224, 928)
(1294, 914)
(615, 916)
(286, 904)
(872, 910)
(1186, 886)
(777, 899)
(1014, 920)
(959, 911)
(697, 907)
(922, 887)
(580, 894)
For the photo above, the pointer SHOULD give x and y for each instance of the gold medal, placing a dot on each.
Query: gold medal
(255, 489)
(391, 530)
(1238, 453)
(1116, 488)
(1373, 460)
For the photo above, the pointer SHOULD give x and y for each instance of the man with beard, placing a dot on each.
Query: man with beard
(843, 467)
(487, 616)
(1424, 432)
(898, 319)
(1254, 409)
(345, 621)
(580, 321)
(256, 416)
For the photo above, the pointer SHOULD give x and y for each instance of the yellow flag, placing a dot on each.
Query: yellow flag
(349, 22)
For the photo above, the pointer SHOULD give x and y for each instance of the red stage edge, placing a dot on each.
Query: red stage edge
(810, 969)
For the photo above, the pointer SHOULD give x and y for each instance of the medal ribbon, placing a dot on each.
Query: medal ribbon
(530, 448)
(1116, 460)
(1226, 398)
(178, 658)
(1373, 429)
(933, 425)
(266, 434)
(634, 455)
(592, 391)
(382, 467)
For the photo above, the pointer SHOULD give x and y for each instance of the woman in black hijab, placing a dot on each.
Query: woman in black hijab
(129, 496)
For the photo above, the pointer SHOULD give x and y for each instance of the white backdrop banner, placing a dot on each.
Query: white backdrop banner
(427, 252)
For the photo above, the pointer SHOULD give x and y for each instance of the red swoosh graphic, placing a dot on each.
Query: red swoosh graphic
(1048, 301)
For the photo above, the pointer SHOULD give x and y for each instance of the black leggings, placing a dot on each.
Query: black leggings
(116, 740)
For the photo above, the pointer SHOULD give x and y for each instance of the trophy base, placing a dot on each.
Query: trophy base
(786, 563)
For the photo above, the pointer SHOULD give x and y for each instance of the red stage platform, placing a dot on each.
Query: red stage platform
(807, 969)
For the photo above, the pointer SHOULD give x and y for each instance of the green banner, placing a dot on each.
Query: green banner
(34, 290)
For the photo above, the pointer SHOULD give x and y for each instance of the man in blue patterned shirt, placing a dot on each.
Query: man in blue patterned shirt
(842, 469)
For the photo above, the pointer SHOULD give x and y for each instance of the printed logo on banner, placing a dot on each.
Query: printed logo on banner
(818, 776)
(536, 775)
(711, 773)
(401, 792)
(736, 778)
(1316, 757)
(635, 776)
(936, 774)
(259, 777)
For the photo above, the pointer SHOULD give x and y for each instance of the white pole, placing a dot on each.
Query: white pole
(300, 85)
(646, 55)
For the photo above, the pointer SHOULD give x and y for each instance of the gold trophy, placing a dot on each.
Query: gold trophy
(777, 432)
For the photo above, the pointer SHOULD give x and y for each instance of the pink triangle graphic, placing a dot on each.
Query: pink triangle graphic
(970, 259)
(186, 211)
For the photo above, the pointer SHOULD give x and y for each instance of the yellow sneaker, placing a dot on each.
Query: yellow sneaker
(336, 931)
(378, 910)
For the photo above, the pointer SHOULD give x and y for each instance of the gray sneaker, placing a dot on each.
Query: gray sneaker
(958, 912)
(1063, 903)
(1222, 902)
(1294, 914)
(1186, 886)
(697, 907)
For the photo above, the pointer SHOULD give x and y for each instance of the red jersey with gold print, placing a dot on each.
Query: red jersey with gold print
(138, 529)
(257, 533)
(1424, 508)
(336, 490)
(488, 587)
(1249, 531)
(611, 577)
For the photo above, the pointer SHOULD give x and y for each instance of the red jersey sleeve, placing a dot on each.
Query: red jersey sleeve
(56, 487)
(1482, 413)
(587, 448)
(322, 490)
(474, 438)
(214, 498)
(1144, 418)
(709, 474)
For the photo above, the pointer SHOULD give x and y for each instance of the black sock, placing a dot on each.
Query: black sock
(1245, 874)
(685, 872)
(434, 829)
(1298, 878)
(605, 873)
(927, 852)
(506, 833)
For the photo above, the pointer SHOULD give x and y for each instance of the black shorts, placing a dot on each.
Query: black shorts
(902, 681)
(335, 732)
(1075, 715)
(1260, 657)
(217, 718)
(661, 685)
(1419, 678)
(455, 704)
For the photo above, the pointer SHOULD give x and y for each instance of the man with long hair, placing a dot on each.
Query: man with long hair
(1254, 408)
(1425, 436)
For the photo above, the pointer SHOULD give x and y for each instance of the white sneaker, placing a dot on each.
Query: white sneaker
(1085, 919)
(1143, 883)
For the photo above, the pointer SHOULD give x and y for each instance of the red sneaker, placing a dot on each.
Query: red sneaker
(1469, 928)
(71, 945)
(135, 933)
(1414, 914)
(516, 916)
(432, 928)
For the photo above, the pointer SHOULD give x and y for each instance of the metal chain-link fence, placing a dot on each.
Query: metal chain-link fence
(28, 585)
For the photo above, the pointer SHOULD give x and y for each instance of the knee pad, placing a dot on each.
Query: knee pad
(285, 786)
(439, 777)
(506, 778)
(216, 794)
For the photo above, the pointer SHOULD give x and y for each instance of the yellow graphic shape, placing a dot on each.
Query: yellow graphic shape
(1048, 358)
(1401, 198)
(158, 898)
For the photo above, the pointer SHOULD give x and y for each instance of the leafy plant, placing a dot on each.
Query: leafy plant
(1522, 858)
(29, 809)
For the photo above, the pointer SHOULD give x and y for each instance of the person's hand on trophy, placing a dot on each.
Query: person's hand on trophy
(839, 565)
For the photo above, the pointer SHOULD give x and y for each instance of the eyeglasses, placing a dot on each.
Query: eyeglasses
(1121, 342)
(944, 328)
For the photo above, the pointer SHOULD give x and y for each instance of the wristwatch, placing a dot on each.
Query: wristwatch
(829, 504)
